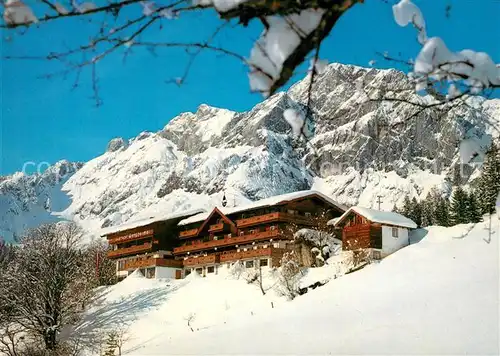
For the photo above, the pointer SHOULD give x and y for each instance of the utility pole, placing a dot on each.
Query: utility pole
(379, 201)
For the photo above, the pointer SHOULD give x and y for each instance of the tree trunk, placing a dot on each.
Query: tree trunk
(50, 339)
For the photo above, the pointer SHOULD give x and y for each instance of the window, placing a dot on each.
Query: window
(211, 269)
(263, 262)
(187, 272)
(252, 231)
(249, 264)
(199, 270)
(273, 227)
(241, 233)
(394, 232)
(121, 265)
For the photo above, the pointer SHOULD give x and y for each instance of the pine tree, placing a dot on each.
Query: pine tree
(111, 344)
(441, 214)
(406, 209)
(489, 181)
(427, 206)
(473, 209)
(459, 206)
(416, 212)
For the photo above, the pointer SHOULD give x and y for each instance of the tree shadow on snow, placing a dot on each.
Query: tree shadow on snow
(117, 315)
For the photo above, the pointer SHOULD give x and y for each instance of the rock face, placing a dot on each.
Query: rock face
(360, 150)
(116, 144)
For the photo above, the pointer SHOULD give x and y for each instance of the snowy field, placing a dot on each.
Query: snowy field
(438, 296)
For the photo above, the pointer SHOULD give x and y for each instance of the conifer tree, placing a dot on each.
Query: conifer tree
(416, 212)
(473, 209)
(441, 214)
(111, 343)
(406, 209)
(427, 206)
(489, 181)
(459, 206)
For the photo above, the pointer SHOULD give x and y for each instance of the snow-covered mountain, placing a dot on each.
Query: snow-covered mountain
(359, 149)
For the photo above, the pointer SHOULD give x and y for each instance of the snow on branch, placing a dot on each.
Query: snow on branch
(292, 30)
(475, 71)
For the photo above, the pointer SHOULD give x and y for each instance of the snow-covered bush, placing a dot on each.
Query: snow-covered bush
(288, 276)
(324, 243)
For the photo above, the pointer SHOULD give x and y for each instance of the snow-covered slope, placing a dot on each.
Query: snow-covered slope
(440, 295)
(359, 150)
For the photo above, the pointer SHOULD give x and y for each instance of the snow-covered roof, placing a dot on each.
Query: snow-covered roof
(378, 216)
(278, 199)
(333, 221)
(150, 220)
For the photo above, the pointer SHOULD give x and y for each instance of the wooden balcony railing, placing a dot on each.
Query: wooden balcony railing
(188, 233)
(228, 241)
(271, 217)
(192, 261)
(257, 219)
(130, 237)
(216, 227)
(234, 256)
(130, 250)
(151, 262)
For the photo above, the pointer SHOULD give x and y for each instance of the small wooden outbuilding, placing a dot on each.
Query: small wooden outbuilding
(382, 231)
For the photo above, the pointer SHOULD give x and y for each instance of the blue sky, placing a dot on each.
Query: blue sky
(45, 121)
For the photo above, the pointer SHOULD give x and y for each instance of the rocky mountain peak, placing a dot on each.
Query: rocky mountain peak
(360, 149)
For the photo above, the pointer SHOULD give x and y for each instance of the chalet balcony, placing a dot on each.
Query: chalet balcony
(202, 260)
(130, 237)
(228, 241)
(146, 247)
(272, 217)
(151, 262)
(234, 256)
(216, 227)
(188, 233)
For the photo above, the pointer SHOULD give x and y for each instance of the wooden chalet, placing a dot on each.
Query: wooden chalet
(146, 245)
(258, 233)
(383, 232)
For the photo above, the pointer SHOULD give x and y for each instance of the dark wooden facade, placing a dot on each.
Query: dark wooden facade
(220, 238)
(251, 233)
(360, 233)
(145, 246)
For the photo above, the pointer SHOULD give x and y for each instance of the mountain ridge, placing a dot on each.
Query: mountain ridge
(359, 149)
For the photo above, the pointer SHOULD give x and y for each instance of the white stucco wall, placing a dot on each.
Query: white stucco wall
(165, 272)
(391, 244)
